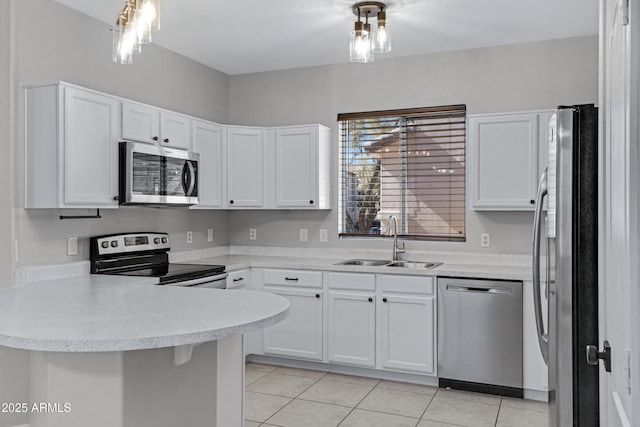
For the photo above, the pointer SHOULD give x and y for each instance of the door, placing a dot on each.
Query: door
(140, 123)
(90, 149)
(175, 130)
(618, 249)
(296, 167)
(245, 166)
(300, 334)
(207, 141)
(407, 339)
(352, 328)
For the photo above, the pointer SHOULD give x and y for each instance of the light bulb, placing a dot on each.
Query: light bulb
(382, 40)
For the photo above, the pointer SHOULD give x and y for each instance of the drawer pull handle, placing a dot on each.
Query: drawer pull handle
(239, 279)
(370, 299)
(291, 279)
(384, 300)
(317, 295)
(476, 289)
(155, 138)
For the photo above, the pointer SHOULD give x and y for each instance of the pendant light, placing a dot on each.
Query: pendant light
(134, 27)
(363, 42)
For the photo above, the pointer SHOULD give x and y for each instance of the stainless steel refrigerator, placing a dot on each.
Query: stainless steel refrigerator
(565, 254)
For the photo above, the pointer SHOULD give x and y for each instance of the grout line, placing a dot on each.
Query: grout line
(428, 404)
(356, 405)
(498, 414)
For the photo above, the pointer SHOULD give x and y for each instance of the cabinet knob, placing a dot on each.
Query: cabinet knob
(166, 140)
(116, 198)
(384, 300)
(533, 202)
(317, 295)
(155, 138)
(230, 202)
(370, 299)
(310, 202)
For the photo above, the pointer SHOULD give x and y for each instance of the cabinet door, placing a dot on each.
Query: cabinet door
(140, 123)
(245, 160)
(175, 130)
(408, 338)
(352, 328)
(504, 161)
(90, 149)
(207, 141)
(300, 334)
(296, 167)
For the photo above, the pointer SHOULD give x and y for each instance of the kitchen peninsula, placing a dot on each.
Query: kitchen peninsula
(112, 351)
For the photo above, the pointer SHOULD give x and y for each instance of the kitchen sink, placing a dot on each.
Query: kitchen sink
(414, 264)
(365, 262)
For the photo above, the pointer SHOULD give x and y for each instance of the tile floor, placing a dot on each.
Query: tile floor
(289, 397)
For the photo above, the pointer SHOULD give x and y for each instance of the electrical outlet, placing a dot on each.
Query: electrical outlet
(323, 235)
(72, 246)
(209, 234)
(485, 240)
(304, 234)
(189, 236)
(252, 234)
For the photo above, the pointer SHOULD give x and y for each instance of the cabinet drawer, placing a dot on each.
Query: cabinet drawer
(238, 279)
(355, 281)
(406, 284)
(299, 278)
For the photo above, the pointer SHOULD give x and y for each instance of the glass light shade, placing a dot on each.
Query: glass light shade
(121, 55)
(360, 47)
(382, 39)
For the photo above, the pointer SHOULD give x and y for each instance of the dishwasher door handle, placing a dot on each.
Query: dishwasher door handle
(479, 290)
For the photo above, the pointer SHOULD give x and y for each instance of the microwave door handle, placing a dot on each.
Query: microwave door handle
(192, 178)
(185, 179)
(543, 337)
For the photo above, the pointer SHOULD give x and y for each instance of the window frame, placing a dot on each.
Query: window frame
(458, 110)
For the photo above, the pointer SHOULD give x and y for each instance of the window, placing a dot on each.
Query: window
(407, 163)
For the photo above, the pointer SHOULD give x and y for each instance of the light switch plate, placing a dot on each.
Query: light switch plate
(323, 235)
(304, 234)
(209, 234)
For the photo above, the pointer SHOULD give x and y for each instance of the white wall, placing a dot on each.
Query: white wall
(55, 43)
(498, 79)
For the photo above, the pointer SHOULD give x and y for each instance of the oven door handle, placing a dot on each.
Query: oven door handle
(201, 281)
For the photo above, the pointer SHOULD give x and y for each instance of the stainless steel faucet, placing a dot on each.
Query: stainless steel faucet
(396, 249)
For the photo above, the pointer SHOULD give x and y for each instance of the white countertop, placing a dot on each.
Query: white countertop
(450, 269)
(111, 313)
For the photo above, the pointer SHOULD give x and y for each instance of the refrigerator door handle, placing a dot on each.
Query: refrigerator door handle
(543, 337)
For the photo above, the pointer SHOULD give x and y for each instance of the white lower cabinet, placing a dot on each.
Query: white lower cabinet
(351, 322)
(300, 334)
(407, 332)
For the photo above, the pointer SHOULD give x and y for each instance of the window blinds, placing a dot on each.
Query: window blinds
(408, 163)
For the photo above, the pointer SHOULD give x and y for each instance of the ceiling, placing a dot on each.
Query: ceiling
(246, 36)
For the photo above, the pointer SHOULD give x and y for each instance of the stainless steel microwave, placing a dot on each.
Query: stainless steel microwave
(155, 175)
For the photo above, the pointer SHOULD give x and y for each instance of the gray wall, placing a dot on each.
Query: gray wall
(498, 79)
(56, 43)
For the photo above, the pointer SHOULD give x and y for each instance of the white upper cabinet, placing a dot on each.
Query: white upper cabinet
(152, 125)
(71, 148)
(504, 155)
(208, 140)
(302, 167)
(245, 167)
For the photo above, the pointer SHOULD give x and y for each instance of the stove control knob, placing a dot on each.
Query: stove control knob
(114, 243)
(105, 244)
(156, 240)
(164, 240)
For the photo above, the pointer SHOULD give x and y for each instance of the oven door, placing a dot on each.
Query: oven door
(219, 281)
(157, 175)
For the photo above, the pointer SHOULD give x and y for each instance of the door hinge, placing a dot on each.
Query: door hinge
(627, 370)
(593, 355)
(625, 12)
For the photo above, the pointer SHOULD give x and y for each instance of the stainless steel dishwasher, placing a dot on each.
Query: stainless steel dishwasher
(480, 335)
